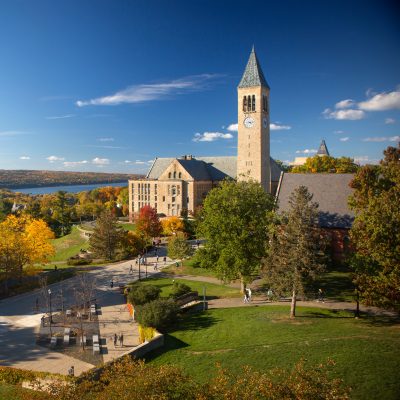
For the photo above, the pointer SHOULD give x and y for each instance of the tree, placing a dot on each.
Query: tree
(178, 247)
(296, 251)
(106, 237)
(319, 164)
(375, 234)
(23, 241)
(172, 225)
(157, 314)
(147, 223)
(5, 208)
(234, 221)
(62, 213)
(131, 244)
(142, 294)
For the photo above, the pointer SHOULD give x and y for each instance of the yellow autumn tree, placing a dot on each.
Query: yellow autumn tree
(24, 241)
(172, 225)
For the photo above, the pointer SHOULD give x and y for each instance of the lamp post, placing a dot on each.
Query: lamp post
(51, 317)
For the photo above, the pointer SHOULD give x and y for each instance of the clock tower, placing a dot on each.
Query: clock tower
(253, 161)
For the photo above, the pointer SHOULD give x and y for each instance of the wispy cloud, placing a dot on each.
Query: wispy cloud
(362, 160)
(75, 163)
(61, 116)
(345, 104)
(100, 161)
(344, 139)
(232, 128)
(24, 158)
(339, 132)
(349, 114)
(382, 102)
(149, 92)
(106, 139)
(53, 159)
(279, 127)
(382, 139)
(12, 133)
(306, 151)
(106, 146)
(211, 136)
(390, 121)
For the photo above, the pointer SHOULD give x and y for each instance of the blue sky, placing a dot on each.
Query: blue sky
(109, 85)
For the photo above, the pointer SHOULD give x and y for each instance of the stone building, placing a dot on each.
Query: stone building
(176, 185)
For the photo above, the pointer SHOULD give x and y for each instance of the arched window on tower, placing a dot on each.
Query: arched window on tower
(253, 103)
(265, 103)
(244, 103)
(248, 103)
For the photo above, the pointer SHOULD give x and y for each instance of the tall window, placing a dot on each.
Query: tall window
(180, 175)
(244, 103)
(174, 174)
(253, 103)
(169, 175)
(248, 103)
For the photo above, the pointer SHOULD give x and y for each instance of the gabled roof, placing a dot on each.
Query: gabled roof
(207, 168)
(331, 192)
(253, 75)
(323, 149)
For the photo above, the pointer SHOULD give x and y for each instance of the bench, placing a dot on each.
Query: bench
(53, 342)
(66, 339)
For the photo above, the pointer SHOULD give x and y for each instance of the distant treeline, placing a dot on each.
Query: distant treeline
(18, 179)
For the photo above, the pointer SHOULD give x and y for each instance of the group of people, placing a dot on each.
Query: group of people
(247, 295)
(118, 338)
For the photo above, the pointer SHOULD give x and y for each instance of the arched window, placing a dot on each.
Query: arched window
(180, 175)
(169, 175)
(174, 174)
(244, 103)
(253, 103)
(248, 103)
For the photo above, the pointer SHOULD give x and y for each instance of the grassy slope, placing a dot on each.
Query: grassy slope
(367, 352)
(188, 269)
(69, 245)
(212, 290)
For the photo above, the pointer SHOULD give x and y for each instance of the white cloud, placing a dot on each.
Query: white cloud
(24, 158)
(382, 139)
(345, 103)
(100, 161)
(148, 92)
(12, 133)
(306, 151)
(106, 139)
(339, 132)
(344, 114)
(211, 136)
(279, 127)
(62, 116)
(55, 158)
(365, 160)
(232, 128)
(390, 121)
(74, 163)
(344, 139)
(139, 162)
(381, 102)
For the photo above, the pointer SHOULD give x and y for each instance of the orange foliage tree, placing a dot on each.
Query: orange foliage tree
(147, 223)
(172, 225)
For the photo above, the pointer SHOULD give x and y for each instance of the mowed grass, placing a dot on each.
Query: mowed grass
(366, 351)
(212, 290)
(11, 392)
(69, 245)
(188, 268)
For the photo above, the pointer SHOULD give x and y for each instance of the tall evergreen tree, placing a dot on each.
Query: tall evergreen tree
(106, 238)
(296, 252)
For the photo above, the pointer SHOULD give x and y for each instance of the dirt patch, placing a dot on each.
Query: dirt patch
(211, 351)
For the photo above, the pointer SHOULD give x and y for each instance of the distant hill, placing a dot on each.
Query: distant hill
(18, 179)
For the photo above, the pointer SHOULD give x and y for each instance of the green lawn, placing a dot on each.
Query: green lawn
(69, 245)
(128, 226)
(212, 290)
(11, 392)
(366, 351)
(188, 268)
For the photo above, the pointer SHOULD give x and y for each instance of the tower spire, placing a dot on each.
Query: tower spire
(253, 75)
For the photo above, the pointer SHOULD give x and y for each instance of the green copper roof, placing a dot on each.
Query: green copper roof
(253, 75)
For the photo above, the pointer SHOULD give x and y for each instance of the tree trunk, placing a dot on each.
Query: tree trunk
(293, 305)
(242, 285)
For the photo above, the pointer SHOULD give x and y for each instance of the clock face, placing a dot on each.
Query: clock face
(248, 122)
(265, 122)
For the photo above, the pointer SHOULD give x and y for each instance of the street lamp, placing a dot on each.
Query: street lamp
(51, 317)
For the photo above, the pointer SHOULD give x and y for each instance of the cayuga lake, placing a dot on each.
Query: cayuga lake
(68, 188)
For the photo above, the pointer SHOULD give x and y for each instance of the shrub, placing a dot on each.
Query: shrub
(14, 376)
(179, 289)
(142, 294)
(157, 314)
(78, 261)
(146, 333)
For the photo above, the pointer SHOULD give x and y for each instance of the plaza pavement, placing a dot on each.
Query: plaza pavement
(20, 321)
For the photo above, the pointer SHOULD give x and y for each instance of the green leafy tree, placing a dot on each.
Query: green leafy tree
(322, 164)
(157, 314)
(105, 240)
(375, 234)
(178, 247)
(5, 208)
(296, 253)
(142, 294)
(62, 213)
(234, 221)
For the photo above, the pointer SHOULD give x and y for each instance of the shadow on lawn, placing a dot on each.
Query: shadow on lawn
(337, 314)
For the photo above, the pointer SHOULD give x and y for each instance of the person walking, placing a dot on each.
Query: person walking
(165, 260)
(131, 269)
(71, 371)
(155, 266)
(249, 294)
(121, 340)
(115, 339)
(245, 299)
(321, 295)
(112, 283)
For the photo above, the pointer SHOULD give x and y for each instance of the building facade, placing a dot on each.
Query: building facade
(178, 185)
